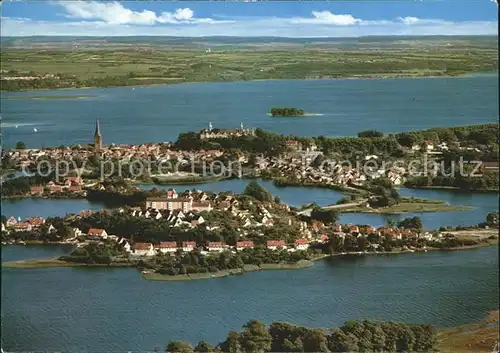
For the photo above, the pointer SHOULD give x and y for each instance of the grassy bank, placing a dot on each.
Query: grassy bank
(472, 338)
(410, 205)
(225, 273)
(452, 188)
(48, 263)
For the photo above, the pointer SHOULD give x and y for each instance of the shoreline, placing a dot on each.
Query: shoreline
(53, 263)
(348, 77)
(454, 188)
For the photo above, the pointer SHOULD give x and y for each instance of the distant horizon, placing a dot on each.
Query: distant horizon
(254, 37)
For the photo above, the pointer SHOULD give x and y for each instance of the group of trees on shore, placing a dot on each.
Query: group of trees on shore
(353, 336)
(194, 262)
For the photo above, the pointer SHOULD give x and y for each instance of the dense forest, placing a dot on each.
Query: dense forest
(353, 336)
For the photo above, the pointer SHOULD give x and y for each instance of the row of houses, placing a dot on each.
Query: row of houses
(70, 184)
(28, 225)
(148, 249)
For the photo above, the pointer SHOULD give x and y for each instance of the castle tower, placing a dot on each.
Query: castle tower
(97, 137)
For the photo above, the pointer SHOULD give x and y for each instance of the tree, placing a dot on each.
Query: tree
(411, 223)
(232, 343)
(318, 161)
(203, 347)
(255, 337)
(492, 219)
(371, 134)
(256, 191)
(20, 145)
(179, 347)
(325, 216)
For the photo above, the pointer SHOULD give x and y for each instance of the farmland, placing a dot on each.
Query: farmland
(89, 64)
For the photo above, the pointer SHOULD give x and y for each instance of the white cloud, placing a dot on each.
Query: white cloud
(112, 18)
(409, 20)
(116, 13)
(329, 18)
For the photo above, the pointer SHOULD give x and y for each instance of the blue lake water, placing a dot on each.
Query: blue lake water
(160, 113)
(481, 203)
(76, 309)
(46, 207)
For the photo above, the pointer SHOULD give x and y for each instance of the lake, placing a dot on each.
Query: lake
(77, 309)
(160, 113)
(482, 203)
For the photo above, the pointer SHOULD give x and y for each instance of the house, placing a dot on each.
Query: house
(172, 194)
(75, 188)
(215, 246)
(167, 247)
(337, 228)
(201, 206)
(125, 244)
(22, 227)
(275, 244)
(188, 246)
(36, 190)
(55, 188)
(97, 233)
(428, 146)
(35, 221)
(73, 181)
(241, 245)
(76, 232)
(354, 229)
(323, 238)
(11, 221)
(144, 249)
(163, 203)
(301, 244)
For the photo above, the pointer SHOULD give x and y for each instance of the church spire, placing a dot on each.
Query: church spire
(97, 137)
(97, 128)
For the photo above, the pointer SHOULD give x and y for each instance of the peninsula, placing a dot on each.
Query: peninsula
(354, 336)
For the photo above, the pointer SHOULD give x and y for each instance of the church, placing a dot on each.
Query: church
(97, 138)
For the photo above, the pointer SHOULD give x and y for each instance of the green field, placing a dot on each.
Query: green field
(146, 63)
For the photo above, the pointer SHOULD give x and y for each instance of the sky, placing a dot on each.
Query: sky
(352, 18)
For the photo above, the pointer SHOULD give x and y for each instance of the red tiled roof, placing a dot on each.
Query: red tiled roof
(244, 244)
(142, 246)
(35, 220)
(95, 231)
(276, 243)
(214, 244)
(167, 244)
(301, 242)
(186, 244)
